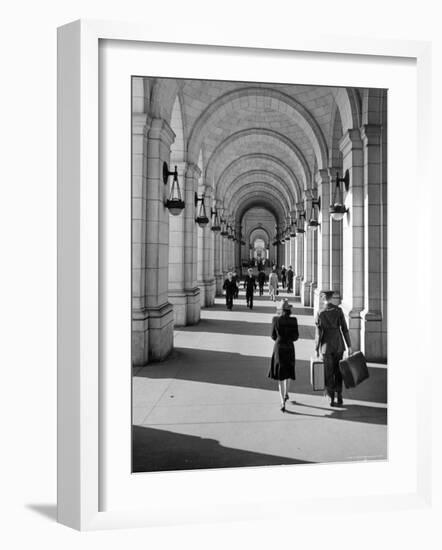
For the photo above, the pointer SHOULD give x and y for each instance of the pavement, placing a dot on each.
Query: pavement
(210, 404)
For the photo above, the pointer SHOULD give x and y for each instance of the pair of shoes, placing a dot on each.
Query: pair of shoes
(332, 404)
(339, 403)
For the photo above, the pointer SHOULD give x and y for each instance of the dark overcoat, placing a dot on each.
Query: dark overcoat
(284, 332)
(331, 330)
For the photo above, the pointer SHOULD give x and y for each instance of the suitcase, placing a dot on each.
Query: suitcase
(354, 369)
(317, 374)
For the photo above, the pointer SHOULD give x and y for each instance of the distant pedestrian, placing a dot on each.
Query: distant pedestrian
(290, 275)
(282, 366)
(261, 281)
(235, 277)
(230, 288)
(283, 276)
(250, 286)
(331, 331)
(273, 284)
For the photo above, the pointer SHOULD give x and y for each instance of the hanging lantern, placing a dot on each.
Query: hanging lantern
(313, 222)
(202, 220)
(216, 225)
(337, 208)
(300, 223)
(174, 203)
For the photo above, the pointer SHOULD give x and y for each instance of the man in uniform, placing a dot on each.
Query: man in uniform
(331, 331)
(250, 286)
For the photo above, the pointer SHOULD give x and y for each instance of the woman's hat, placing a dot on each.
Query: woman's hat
(284, 305)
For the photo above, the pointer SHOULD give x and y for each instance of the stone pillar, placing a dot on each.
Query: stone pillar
(336, 255)
(218, 263)
(323, 236)
(140, 316)
(308, 265)
(158, 310)
(177, 293)
(190, 246)
(206, 279)
(373, 343)
(299, 264)
(293, 255)
(353, 235)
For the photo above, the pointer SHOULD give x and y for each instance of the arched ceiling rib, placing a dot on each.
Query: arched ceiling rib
(255, 140)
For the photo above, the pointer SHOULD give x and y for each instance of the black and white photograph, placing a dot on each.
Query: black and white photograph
(259, 274)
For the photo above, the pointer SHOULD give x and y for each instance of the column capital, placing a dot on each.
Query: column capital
(160, 129)
(140, 123)
(322, 176)
(371, 134)
(193, 170)
(350, 140)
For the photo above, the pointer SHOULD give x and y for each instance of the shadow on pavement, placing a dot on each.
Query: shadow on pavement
(161, 450)
(242, 327)
(233, 369)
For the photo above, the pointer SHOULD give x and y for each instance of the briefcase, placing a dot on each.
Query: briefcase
(317, 373)
(354, 369)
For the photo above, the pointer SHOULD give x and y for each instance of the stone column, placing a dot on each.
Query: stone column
(206, 279)
(159, 311)
(308, 265)
(373, 343)
(323, 236)
(336, 255)
(353, 235)
(140, 315)
(177, 293)
(299, 269)
(190, 246)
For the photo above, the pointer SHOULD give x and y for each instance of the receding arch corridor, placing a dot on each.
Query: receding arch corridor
(210, 403)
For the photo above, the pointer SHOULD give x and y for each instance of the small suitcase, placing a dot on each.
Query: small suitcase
(354, 369)
(317, 374)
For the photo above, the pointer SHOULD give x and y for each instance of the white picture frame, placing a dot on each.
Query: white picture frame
(79, 273)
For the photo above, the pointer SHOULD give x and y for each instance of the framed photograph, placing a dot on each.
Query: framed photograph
(233, 223)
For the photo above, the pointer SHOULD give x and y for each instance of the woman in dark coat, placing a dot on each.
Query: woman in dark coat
(282, 367)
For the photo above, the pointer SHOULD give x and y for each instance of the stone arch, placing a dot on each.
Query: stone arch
(279, 101)
(272, 135)
(255, 186)
(162, 98)
(224, 180)
(260, 200)
(348, 104)
(251, 180)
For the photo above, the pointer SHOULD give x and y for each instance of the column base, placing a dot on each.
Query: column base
(219, 281)
(152, 334)
(186, 306)
(297, 285)
(207, 292)
(306, 293)
(373, 337)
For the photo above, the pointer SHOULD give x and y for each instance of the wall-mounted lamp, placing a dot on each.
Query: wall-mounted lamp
(202, 220)
(216, 225)
(300, 222)
(316, 207)
(174, 203)
(337, 208)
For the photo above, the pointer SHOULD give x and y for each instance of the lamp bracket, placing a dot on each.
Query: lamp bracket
(167, 172)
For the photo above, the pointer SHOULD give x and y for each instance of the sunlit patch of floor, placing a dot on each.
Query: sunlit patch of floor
(211, 404)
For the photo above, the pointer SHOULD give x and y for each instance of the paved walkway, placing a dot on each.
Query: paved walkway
(211, 405)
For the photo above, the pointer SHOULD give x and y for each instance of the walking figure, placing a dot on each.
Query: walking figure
(250, 286)
(231, 288)
(236, 279)
(283, 276)
(290, 276)
(261, 281)
(273, 284)
(282, 366)
(331, 331)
